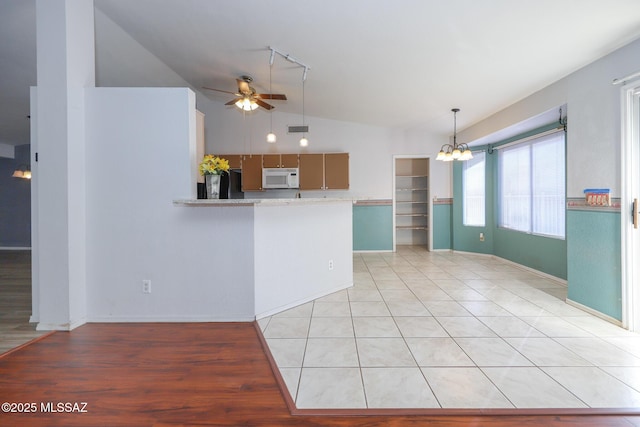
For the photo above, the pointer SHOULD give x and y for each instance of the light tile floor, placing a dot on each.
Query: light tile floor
(445, 330)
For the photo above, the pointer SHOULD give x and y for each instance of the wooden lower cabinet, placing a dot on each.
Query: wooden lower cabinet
(324, 171)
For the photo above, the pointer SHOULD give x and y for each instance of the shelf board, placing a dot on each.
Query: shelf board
(414, 202)
(411, 227)
(412, 214)
(412, 189)
(412, 176)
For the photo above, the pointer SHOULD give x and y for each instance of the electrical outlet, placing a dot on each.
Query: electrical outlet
(330, 264)
(482, 237)
(146, 286)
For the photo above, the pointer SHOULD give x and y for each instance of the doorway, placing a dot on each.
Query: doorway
(630, 229)
(412, 209)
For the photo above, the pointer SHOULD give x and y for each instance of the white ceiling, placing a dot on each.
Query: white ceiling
(391, 63)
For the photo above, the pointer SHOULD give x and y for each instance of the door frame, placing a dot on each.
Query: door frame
(429, 204)
(630, 180)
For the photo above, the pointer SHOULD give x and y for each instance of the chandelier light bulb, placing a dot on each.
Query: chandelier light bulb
(304, 142)
(271, 138)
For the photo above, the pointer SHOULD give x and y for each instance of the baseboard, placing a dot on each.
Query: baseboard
(594, 312)
(15, 248)
(372, 251)
(300, 302)
(520, 266)
(533, 270)
(167, 319)
(60, 326)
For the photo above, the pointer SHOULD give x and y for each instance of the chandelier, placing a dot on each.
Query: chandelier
(456, 151)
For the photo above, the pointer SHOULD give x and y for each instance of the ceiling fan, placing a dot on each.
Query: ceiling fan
(246, 98)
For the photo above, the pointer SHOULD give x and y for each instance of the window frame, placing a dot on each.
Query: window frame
(529, 142)
(484, 189)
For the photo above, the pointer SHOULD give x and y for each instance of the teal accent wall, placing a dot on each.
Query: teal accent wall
(538, 252)
(594, 268)
(372, 228)
(442, 226)
(545, 254)
(467, 238)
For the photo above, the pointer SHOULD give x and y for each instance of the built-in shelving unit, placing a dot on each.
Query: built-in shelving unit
(412, 201)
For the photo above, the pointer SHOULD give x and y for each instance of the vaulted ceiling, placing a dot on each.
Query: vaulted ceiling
(392, 63)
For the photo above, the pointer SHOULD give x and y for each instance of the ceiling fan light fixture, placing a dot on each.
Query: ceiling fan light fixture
(247, 104)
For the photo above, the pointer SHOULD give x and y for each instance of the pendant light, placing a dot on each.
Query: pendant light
(22, 171)
(271, 137)
(456, 151)
(304, 142)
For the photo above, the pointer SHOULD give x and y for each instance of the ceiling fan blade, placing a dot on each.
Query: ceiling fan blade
(233, 101)
(243, 86)
(263, 104)
(219, 90)
(281, 97)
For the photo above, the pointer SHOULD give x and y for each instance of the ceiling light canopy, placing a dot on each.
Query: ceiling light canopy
(456, 151)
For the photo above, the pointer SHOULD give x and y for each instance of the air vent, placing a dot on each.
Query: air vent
(298, 129)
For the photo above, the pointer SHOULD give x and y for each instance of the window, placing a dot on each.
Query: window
(532, 186)
(473, 190)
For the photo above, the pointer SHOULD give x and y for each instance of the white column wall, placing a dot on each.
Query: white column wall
(65, 55)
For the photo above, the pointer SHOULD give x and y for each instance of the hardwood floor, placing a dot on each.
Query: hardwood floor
(195, 374)
(15, 300)
(203, 374)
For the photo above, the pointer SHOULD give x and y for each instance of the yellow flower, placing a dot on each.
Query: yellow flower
(212, 165)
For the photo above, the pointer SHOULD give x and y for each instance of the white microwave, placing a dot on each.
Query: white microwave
(280, 178)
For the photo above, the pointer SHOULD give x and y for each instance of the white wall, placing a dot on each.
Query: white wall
(293, 246)
(140, 152)
(593, 106)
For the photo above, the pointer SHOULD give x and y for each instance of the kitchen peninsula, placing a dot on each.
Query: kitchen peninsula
(296, 250)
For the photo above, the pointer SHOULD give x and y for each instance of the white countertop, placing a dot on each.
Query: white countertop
(257, 202)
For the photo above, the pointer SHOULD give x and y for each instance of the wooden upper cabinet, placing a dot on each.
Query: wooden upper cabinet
(288, 160)
(235, 160)
(311, 171)
(252, 172)
(336, 171)
(280, 160)
(271, 160)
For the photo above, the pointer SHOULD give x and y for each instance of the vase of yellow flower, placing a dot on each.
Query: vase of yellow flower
(212, 167)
